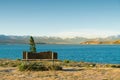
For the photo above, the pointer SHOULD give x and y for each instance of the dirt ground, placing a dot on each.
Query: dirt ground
(69, 73)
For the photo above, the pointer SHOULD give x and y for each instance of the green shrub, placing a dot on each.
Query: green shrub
(66, 61)
(22, 67)
(32, 67)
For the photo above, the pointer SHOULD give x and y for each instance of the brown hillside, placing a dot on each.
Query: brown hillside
(101, 42)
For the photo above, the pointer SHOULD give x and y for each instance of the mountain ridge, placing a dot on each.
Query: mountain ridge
(52, 40)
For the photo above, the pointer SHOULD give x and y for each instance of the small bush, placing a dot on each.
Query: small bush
(108, 65)
(32, 67)
(37, 67)
(92, 65)
(55, 67)
(18, 59)
(22, 67)
(13, 64)
(66, 61)
(115, 66)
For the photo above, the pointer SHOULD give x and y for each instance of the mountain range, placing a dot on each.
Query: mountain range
(51, 40)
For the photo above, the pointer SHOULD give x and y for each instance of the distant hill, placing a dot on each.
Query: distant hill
(40, 40)
(57, 40)
(101, 42)
(13, 39)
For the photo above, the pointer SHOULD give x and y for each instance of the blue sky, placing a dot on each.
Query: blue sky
(64, 18)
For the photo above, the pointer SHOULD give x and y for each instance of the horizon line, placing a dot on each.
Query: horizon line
(60, 36)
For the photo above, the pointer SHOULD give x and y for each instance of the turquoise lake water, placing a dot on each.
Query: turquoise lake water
(88, 53)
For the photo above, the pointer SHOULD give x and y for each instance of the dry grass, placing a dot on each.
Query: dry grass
(70, 74)
(78, 72)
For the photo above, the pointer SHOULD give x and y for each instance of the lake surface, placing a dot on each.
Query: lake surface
(88, 53)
